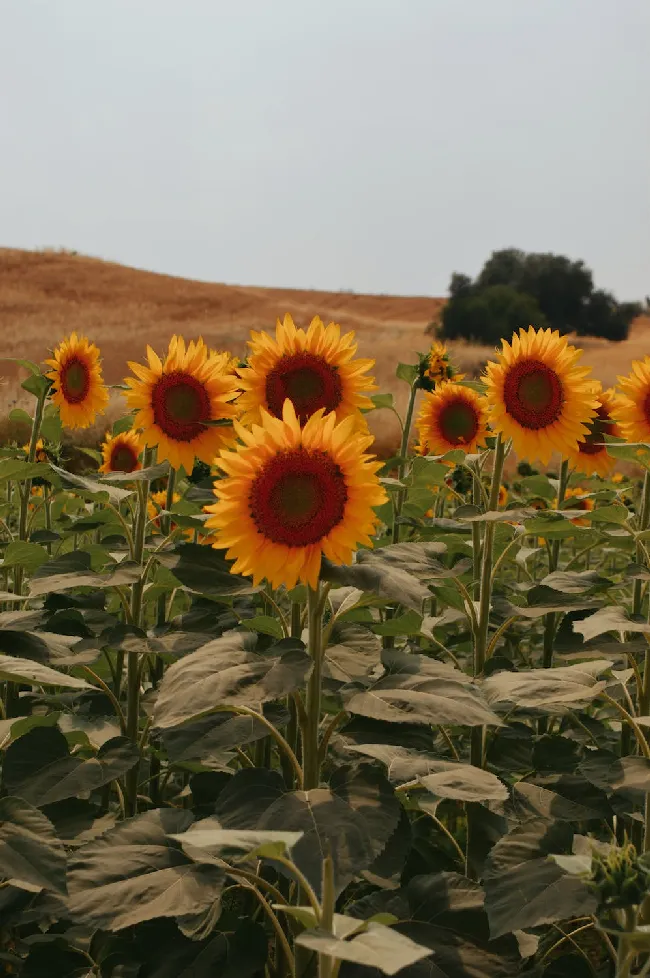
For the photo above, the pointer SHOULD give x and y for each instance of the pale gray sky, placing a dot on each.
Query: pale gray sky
(374, 145)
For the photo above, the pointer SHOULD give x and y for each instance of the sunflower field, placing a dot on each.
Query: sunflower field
(273, 708)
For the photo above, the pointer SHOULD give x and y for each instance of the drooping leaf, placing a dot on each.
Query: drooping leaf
(91, 487)
(377, 947)
(205, 570)
(386, 580)
(464, 782)
(610, 619)
(548, 690)
(30, 851)
(226, 672)
(135, 872)
(523, 888)
(21, 553)
(73, 570)
(26, 671)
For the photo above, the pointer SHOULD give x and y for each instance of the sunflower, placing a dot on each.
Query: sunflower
(184, 404)
(435, 367)
(158, 501)
(292, 494)
(40, 453)
(121, 452)
(314, 369)
(633, 408)
(503, 496)
(537, 394)
(451, 417)
(590, 455)
(78, 385)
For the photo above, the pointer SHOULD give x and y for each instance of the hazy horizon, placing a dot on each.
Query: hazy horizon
(367, 146)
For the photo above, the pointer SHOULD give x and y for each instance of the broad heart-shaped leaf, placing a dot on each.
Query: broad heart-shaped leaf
(166, 953)
(149, 474)
(446, 779)
(352, 652)
(30, 851)
(418, 689)
(208, 834)
(205, 570)
(612, 773)
(547, 690)
(378, 947)
(464, 782)
(136, 872)
(27, 671)
(226, 672)
(17, 470)
(610, 619)
(421, 560)
(533, 800)
(91, 487)
(38, 646)
(353, 820)
(73, 570)
(20, 553)
(523, 888)
(39, 768)
(386, 580)
(211, 735)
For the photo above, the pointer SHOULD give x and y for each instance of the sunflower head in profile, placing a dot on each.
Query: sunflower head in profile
(292, 494)
(633, 406)
(121, 452)
(452, 416)
(590, 455)
(538, 395)
(184, 403)
(435, 367)
(40, 454)
(78, 387)
(314, 369)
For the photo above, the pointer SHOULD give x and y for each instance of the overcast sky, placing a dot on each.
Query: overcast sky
(374, 145)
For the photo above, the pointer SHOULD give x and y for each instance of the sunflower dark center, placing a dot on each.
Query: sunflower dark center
(181, 405)
(307, 380)
(123, 459)
(600, 426)
(533, 394)
(458, 421)
(74, 380)
(298, 497)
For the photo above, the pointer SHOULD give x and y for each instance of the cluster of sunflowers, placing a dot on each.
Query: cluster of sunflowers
(286, 430)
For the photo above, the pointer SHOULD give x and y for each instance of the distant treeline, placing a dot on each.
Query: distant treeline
(517, 288)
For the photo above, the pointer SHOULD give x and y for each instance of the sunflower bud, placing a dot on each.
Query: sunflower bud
(434, 367)
(620, 878)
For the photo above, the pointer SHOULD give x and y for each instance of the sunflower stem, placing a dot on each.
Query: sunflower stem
(553, 561)
(310, 747)
(328, 898)
(644, 517)
(477, 737)
(133, 665)
(401, 470)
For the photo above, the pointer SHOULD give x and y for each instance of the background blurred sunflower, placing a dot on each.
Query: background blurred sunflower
(590, 455)
(633, 406)
(181, 401)
(314, 369)
(538, 396)
(120, 453)
(451, 417)
(292, 494)
(78, 386)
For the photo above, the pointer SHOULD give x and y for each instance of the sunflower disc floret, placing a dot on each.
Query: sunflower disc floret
(293, 494)
(538, 395)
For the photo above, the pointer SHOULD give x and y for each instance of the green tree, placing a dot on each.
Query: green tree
(490, 315)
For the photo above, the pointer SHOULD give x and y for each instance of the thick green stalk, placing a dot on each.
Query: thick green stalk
(292, 732)
(325, 962)
(553, 561)
(642, 524)
(476, 533)
(133, 664)
(401, 470)
(477, 737)
(310, 747)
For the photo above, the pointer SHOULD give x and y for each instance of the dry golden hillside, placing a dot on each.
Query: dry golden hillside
(44, 295)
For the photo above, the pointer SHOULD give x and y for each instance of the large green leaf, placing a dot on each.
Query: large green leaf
(136, 872)
(73, 569)
(20, 553)
(91, 487)
(204, 570)
(353, 651)
(30, 851)
(610, 619)
(547, 690)
(226, 672)
(26, 671)
(377, 947)
(523, 888)
(385, 579)
(39, 768)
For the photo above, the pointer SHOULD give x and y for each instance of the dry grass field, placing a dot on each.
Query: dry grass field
(44, 295)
